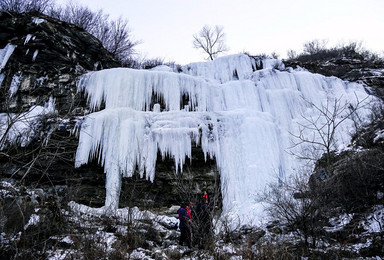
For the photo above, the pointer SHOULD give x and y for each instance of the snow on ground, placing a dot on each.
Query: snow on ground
(33, 221)
(338, 223)
(122, 214)
(61, 254)
(375, 221)
(240, 116)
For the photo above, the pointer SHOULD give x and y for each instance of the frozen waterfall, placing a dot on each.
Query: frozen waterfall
(239, 115)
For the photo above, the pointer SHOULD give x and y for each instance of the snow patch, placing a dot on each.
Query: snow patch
(15, 84)
(38, 20)
(35, 55)
(140, 253)
(338, 223)
(5, 54)
(375, 220)
(60, 254)
(27, 38)
(33, 221)
(379, 136)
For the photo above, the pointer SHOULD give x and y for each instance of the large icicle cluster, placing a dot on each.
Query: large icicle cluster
(240, 116)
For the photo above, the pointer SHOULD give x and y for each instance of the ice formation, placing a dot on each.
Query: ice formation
(240, 115)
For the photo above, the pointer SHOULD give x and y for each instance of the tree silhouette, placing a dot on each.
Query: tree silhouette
(210, 40)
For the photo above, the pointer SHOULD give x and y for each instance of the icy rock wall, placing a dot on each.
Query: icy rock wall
(21, 129)
(244, 122)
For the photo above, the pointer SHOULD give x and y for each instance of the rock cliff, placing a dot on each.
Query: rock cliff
(48, 56)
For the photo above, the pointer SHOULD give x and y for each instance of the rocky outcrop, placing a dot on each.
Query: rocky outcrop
(348, 190)
(354, 179)
(48, 57)
(354, 69)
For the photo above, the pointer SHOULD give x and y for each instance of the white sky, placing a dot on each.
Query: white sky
(165, 27)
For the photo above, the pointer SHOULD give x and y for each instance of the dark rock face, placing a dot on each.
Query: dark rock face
(352, 69)
(171, 188)
(352, 182)
(48, 57)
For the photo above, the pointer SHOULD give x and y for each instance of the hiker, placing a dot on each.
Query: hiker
(205, 196)
(204, 224)
(190, 209)
(185, 226)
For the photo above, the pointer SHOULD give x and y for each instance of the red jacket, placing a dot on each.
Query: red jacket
(189, 212)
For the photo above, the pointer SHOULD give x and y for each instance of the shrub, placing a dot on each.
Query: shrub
(317, 50)
(291, 203)
(315, 46)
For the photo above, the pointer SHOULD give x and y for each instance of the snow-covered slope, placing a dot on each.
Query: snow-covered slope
(240, 116)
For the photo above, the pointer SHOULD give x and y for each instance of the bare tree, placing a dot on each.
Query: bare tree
(319, 131)
(118, 41)
(291, 203)
(21, 6)
(210, 40)
(291, 54)
(315, 46)
(115, 35)
(80, 15)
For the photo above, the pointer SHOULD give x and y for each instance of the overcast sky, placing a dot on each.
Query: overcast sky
(165, 27)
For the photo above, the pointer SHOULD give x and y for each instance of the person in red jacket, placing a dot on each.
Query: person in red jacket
(189, 209)
(205, 196)
(204, 223)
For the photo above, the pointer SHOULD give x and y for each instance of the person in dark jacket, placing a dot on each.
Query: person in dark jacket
(185, 226)
(204, 223)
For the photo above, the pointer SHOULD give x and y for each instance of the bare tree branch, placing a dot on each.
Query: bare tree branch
(21, 6)
(323, 127)
(211, 41)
